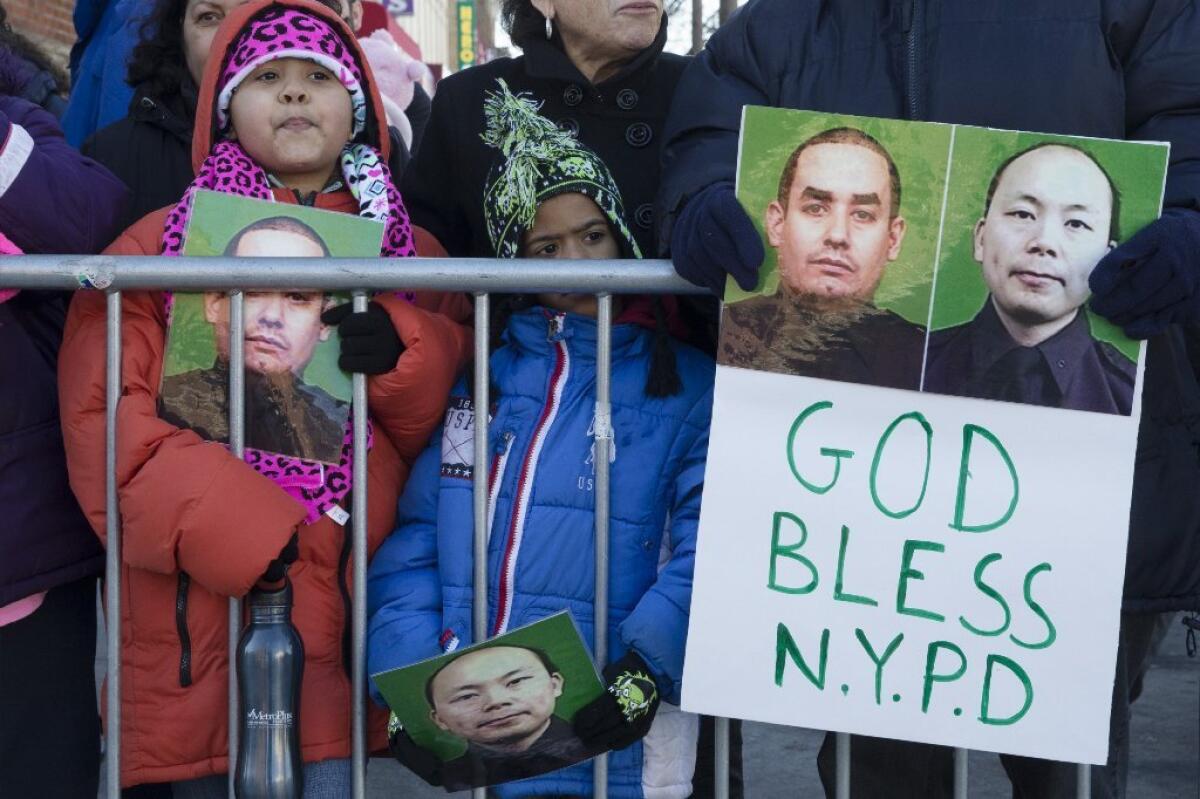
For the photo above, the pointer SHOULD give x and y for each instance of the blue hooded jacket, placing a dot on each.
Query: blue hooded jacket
(106, 32)
(541, 505)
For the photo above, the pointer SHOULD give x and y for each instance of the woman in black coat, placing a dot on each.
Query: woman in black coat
(600, 71)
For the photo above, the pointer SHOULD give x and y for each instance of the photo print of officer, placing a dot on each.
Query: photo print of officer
(1051, 212)
(501, 701)
(284, 413)
(835, 225)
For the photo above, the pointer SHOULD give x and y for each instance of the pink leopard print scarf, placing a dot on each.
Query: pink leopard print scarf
(318, 487)
(230, 170)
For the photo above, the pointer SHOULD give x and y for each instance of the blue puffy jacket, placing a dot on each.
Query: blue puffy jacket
(541, 504)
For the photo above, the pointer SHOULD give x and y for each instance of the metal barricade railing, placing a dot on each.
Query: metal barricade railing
(482, 277)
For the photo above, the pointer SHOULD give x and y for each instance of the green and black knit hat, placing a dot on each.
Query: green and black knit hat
(538, 160)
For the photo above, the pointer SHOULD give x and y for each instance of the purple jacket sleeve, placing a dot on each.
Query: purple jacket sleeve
(52, 199)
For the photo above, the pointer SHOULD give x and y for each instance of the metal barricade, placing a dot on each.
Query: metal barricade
(482, 277)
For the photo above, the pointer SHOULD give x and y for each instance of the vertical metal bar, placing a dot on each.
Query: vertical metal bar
(604, 434)
(1083, 783)
(960, 774)
(237, 445)
(843, 766)
(479, 593)
(479, 604)
(112, 556)
(721, 758)
(358, 510)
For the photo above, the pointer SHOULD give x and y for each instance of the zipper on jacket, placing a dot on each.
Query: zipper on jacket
(496, 477)
(181, 626)
(516, 526)
(914, 23)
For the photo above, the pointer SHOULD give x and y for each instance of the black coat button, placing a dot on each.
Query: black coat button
(638, 134)
(627, 99)
(570, 125)
(572, 95)
(644, 215)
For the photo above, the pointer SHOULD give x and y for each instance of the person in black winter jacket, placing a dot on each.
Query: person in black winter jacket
(1125, 69)
(607, 81)
(51, 200)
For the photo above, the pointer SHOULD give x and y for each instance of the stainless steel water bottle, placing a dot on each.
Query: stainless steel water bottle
(270, 668)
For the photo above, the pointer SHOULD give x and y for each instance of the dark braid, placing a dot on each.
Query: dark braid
(663, 377)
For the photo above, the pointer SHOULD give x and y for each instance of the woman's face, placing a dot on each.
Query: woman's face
(628, 26)
(201, 18)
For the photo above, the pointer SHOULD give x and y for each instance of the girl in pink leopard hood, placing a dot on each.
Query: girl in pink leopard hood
(288, 111)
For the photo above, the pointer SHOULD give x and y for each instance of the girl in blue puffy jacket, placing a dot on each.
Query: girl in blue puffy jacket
(550, 197)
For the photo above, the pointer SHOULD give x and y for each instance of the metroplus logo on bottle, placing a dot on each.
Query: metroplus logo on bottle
(278, 718)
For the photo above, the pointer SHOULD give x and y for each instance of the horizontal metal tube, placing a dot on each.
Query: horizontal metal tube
(129, 272)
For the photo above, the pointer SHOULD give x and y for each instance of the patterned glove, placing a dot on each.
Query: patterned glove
(370, 343)
(414, 758)
(624, 712)
(1151, 280)
(714, 238)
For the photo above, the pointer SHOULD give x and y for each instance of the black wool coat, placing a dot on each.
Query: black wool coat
(150, 150)
(621, 119)
(1123, 69)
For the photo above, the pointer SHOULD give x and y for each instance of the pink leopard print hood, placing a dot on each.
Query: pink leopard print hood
(257, 33)
(207, 126)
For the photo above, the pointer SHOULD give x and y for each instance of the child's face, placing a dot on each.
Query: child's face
(293, 117)
(570, 226)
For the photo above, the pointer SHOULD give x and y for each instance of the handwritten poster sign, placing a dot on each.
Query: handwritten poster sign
(919, 472)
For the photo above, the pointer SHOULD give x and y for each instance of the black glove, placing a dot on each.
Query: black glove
(370, 343)
(623, 713)
(1151, 280)
(277, 569)
(713, 237)
(417, 760)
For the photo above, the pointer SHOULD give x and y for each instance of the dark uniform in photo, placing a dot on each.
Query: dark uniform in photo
(835, 226)
(1051, 213)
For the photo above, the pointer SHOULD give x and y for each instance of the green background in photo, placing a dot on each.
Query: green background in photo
(1136, 168)
(557, 636)
(216, 218)
(920, 150)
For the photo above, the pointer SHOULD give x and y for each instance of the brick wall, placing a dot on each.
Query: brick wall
(43, 20)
